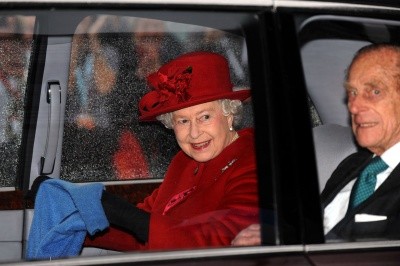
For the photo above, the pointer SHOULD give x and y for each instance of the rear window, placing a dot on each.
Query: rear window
(16, 39)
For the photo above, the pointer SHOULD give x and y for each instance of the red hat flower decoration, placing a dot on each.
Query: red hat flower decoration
(169, 88)
(175, 85)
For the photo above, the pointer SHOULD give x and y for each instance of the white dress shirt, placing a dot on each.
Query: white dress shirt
(337, 209)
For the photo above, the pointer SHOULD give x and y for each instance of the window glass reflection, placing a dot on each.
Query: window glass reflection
(15, 48)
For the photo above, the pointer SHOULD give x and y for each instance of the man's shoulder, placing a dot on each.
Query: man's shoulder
(355, 159)
(346, 170)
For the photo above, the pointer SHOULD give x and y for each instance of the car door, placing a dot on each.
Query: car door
(87, 74)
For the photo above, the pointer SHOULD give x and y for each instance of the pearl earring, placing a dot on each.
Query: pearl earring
(230, 128)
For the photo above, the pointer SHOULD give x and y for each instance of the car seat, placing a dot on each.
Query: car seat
(332, 144)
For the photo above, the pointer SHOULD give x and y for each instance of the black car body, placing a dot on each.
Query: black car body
(292, 54)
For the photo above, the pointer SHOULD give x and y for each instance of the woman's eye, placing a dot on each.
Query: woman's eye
(182, 121)
(205, 117)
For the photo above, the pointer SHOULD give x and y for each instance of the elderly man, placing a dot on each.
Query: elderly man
(361, 200)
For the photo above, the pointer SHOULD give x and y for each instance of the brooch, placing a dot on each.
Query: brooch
(178, 198)
(228, 165)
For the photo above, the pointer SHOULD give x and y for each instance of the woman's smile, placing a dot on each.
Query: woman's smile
(201, 145)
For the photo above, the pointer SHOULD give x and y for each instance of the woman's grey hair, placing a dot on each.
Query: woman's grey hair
(229, 107)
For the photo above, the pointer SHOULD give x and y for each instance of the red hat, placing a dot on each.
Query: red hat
(188, 80)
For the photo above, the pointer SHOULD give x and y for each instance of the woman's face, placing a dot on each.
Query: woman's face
(202, 131)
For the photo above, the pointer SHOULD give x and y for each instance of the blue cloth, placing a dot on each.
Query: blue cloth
(64, 213)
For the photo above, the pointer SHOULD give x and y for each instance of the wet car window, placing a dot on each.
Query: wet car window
(16, 35)
(110, 60)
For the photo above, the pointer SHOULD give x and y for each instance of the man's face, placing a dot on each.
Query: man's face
(202, 131)
(374, 100)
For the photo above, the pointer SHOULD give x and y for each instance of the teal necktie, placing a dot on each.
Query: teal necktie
(365, 184)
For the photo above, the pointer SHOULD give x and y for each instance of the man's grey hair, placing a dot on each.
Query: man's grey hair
(229, 107)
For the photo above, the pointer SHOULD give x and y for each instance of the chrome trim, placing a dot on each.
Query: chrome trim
(349, 246)
(166, 256)
(328, 5)
(161, 2)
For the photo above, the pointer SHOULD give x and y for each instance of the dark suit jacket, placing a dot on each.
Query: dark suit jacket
(384, 202)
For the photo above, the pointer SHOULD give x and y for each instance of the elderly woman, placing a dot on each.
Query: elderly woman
(209, 193)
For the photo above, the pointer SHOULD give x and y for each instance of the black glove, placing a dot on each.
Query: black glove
(31, 194)
(121, 213)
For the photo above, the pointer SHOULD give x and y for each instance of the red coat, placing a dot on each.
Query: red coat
(199, 204)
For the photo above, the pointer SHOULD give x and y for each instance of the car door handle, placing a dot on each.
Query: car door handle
(53, 129)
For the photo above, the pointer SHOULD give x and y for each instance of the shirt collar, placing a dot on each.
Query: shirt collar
(392, 156)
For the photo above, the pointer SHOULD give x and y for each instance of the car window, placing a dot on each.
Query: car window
(90, 75)
(110, 59)
(104, 141)
(328, 44)
(16, 39)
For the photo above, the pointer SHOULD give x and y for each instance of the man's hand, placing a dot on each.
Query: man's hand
(250, 236)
